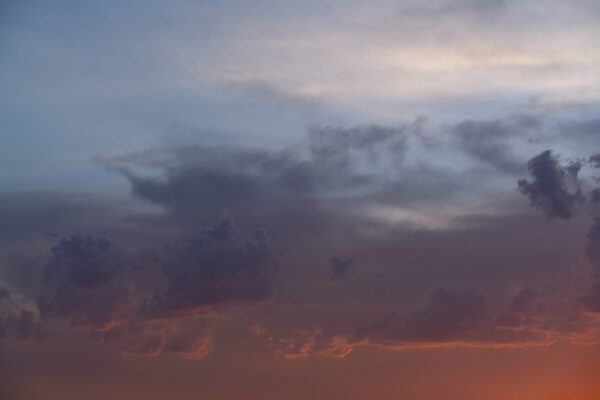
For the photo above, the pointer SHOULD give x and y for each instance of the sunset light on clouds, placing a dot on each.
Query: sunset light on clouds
(300, 200)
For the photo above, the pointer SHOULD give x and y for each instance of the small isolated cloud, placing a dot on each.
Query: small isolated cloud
(188, 337)
(594, 160)
(555, 188)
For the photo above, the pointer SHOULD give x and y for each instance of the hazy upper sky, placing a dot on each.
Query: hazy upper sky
(283, 199)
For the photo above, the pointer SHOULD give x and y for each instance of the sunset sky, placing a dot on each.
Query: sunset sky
(265, 200)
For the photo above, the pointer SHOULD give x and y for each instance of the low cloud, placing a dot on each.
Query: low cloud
(554, 188)
(217, 266)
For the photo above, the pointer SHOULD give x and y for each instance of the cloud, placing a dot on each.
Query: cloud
(339, 267)
(21, 326)
(270, 185)
(188, 337)
(81, 283)
(4, 293)
(82, 261)
(217, 266)
(555, 188)
(488, 140)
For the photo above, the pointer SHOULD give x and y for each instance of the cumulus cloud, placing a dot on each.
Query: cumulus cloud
(218, 265)
(81, 261)
(555, 188)
(80, 283)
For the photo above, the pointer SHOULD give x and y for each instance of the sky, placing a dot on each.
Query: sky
(304, 200)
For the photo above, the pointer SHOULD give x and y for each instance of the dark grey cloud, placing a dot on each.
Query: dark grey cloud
(339, 267)
(82, 261)
(81, 283)
(218, 265)
(555, 188)
(336, 162)
(594, 160)
(489, 140)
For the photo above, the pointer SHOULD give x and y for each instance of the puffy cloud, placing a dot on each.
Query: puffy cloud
(594, 160)
(555, 188)
(339, 267)
(217, 266)
(80, 283)
(82, 261)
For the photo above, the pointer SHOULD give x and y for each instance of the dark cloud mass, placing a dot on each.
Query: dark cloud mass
(80, 285)
(270, 186)
(82, 261)
(336, 193)
(554, 188)
(219, 265)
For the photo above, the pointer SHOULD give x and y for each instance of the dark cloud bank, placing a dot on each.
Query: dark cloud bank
(304, 202)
